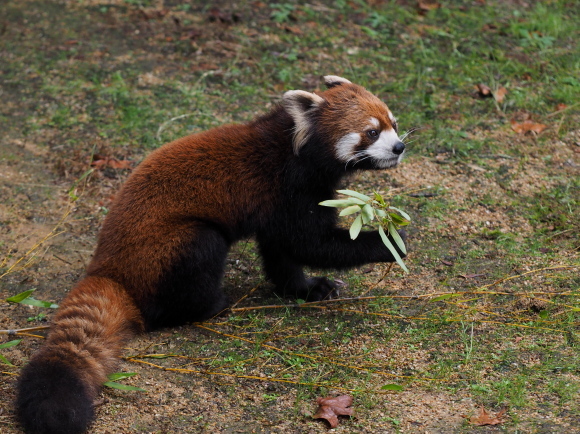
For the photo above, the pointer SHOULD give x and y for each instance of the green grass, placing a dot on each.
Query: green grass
(108, 78)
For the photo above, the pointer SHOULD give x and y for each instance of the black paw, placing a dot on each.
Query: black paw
(321, 288)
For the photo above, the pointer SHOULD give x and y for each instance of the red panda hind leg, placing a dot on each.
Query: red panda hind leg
(190, 289)
(56, 390)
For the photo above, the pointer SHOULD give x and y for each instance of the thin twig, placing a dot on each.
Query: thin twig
(24, 332)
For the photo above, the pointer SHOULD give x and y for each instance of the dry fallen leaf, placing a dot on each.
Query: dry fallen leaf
(331, 408)
(500, 93)
(524, 127)
(427, 5)
(100, 162)
(485, 418)
(483, 89)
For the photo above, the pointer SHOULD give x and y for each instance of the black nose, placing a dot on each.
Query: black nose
(398, 148)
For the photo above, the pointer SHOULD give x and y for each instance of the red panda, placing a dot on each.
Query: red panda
(162, 248)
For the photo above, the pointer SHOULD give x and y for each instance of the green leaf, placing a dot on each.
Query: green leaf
(335, 203)
(10, 343)
(380, 212)
(379, 199)
(120, 375)
(19, 297)
(390, 246)
(367, 214)
(5, 360)
(355, 194)
(31, 301)
(403, 213)
(398, 220)
(350, 210)
(445, 297)
(392, 387)
(397, 238)
(356, 227)
(122, 386)
(23, 298)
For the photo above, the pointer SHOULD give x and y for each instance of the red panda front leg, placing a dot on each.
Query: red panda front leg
(288, 277)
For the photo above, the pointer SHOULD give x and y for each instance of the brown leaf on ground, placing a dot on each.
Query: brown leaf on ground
(485, 418)
(427, 5)
(100, 162)
(293, 29)
(500, 93)
(331, 408)
(483, 89)
(526, 126)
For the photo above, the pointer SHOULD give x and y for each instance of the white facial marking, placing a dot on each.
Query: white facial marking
(382, 150)
(374, 122)
(391, 117)
(346, 145)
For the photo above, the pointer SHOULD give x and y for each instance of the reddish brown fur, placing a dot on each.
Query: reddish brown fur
(90, 328)
(350, 108)
(166, 208)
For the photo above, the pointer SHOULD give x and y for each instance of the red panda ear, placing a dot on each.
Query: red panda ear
(298, 104)
(335, 80)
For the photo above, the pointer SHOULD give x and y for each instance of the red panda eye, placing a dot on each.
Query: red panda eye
(373, 134)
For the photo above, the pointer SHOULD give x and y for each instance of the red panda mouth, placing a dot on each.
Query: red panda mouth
(385, 152)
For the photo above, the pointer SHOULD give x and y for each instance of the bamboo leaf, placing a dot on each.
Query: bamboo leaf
(350, 210)
(403, 213)
(31, 301)
(397, 238)
(379, 199)
(356, 227)
(355, 194)
(122, 386)
(445, 297)
(367, 213)
(380, 212)
(120, 375)
(392, 387)
(392, 249)
(19, 297)
(5, 360)
(397, 219)
(10, 343)
(335, 203)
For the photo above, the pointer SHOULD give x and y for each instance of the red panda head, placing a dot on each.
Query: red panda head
(360, 127)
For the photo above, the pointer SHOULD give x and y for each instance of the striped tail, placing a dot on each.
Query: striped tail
(57, 389)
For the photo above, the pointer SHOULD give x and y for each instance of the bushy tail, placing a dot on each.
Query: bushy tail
(57, 389)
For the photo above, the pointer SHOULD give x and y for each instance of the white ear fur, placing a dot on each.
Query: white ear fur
(335, 80)
(298, 104)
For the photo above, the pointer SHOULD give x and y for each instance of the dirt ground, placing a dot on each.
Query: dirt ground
(48, 240)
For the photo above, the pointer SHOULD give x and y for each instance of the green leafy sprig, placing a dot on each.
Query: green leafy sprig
(387, 218)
